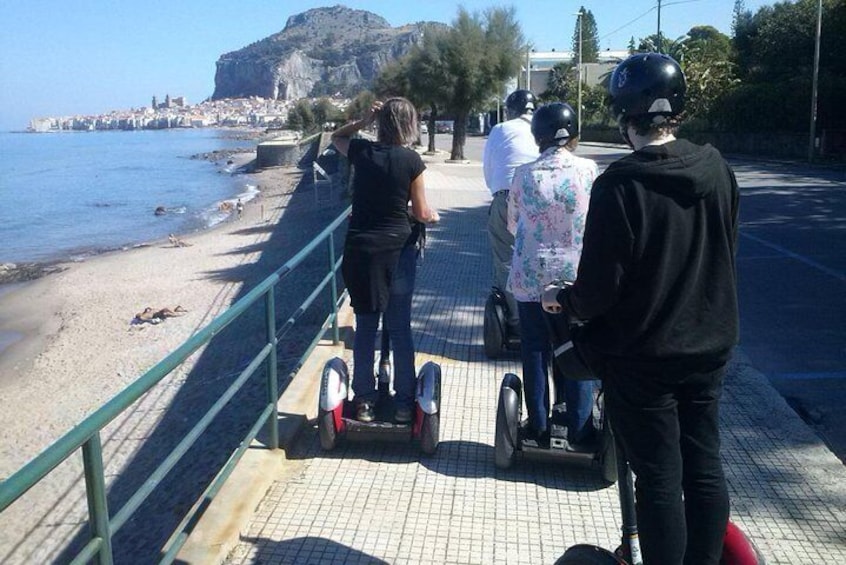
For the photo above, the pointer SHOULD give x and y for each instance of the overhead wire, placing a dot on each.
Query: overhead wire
(643, 15)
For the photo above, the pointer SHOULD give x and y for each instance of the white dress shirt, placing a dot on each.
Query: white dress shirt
(509, 145)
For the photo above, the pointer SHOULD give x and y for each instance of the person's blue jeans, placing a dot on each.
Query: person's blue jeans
(397, 320)
(536, 354)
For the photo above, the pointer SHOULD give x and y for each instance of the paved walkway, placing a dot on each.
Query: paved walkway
(384, 503)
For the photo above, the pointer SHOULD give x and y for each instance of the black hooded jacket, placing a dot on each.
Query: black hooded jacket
(657, 274)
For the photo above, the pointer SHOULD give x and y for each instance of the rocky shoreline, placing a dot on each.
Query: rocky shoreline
(23, 272)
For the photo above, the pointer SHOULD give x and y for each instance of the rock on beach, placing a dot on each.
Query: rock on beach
(17, 273)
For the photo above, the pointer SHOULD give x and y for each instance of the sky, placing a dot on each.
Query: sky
(69, 57)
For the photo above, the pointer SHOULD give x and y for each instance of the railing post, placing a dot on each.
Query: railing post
(95, 489)
(336, 335)
(272, 383)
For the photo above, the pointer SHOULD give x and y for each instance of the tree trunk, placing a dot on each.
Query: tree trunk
(433, 116)
(459, 136)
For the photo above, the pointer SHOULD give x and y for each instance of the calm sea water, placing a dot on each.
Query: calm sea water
(65, 195)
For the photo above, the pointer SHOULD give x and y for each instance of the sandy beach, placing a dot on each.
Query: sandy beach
(81, 347)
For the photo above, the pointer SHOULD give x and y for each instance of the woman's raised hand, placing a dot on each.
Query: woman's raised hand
(375, 108)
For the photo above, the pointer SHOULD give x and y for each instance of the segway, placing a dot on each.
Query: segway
(336, 412)
(738, 549)
(497, 336)
(511, 438)
(511, 431)
(572, 361)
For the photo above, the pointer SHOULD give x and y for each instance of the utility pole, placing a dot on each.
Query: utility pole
(579, 102)
(659, 26)
(812, 141)
(528, 69)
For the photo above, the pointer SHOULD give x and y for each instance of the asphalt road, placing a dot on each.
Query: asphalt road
(791, 277)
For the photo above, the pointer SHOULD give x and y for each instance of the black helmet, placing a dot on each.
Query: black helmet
(519, 102)
(647, 84)
(554, 123)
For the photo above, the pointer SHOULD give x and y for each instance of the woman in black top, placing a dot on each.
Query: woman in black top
(380, 247)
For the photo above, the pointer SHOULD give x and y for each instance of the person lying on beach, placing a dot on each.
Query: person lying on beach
(157, 315)
(176, 242)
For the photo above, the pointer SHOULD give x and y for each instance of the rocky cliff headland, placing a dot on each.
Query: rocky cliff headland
(324, 51)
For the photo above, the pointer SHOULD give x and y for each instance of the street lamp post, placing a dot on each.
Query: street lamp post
(579, 99)
(812, 140)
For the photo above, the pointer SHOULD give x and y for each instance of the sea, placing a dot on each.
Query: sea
(69, 195)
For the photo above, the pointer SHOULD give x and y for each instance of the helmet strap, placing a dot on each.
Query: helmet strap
(623, 126)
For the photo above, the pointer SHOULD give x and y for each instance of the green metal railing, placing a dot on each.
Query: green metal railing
(87, 434)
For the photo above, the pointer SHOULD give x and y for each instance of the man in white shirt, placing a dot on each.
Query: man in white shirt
(509, 145)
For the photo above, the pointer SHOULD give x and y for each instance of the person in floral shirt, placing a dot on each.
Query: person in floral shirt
(547, 207)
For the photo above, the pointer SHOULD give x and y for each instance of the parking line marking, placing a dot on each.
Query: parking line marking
(811, 263)
(806, 376)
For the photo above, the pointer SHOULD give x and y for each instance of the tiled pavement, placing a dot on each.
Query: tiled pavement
(385, 503)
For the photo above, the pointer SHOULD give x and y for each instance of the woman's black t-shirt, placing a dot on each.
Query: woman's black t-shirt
(379, 226)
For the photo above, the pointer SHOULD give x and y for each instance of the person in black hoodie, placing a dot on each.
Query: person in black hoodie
(657, 282)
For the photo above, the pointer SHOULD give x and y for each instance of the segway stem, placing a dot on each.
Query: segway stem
(385, 349)
(631, 543)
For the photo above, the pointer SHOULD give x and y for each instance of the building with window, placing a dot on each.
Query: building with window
(539, 63)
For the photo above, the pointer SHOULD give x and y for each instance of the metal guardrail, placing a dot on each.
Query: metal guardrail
(86, 435)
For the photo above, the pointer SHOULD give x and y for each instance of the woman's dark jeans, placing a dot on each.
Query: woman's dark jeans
(397, 320)
(536, 352)
(668, 425)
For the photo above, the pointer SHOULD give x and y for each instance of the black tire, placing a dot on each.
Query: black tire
(429, 433)
(326, 430)
(507, 421)
(584, 554)
(494, 334)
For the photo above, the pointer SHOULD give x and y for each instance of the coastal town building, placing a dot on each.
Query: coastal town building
(175, 113)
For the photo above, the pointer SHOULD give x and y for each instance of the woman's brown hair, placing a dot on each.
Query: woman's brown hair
(397, 122)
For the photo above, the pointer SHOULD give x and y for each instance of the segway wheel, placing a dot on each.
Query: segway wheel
(494, 329)
(429, 433)
(506, 435)
(326, 429)
(584, 554)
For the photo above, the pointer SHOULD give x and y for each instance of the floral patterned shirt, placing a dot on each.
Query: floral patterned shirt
(547, 207)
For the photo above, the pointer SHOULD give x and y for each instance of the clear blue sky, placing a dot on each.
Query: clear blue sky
(65, 57)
